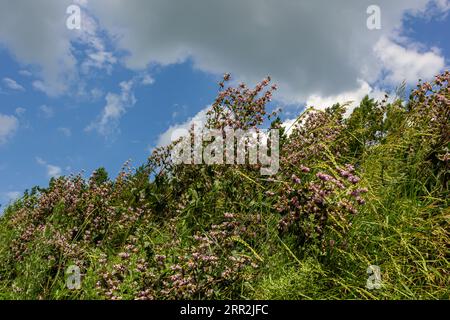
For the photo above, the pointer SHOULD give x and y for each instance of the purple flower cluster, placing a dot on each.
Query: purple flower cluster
(213, 260)
(307, 204)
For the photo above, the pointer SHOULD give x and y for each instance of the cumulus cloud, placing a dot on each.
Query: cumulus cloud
(320, 47)
(8, 126)
(20, 111)
(12, 195)
(288, 125)
(96, 54)
(116, 106)
(52, 170)
(12, 84)
(8, 197)
(350, 98)
(316, 47)
(99, 60)
(46, 111)
(407, 64)
(179, 130)
(35, 33)
(147, 80)
(25, 73)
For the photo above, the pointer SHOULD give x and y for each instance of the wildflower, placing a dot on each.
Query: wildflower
(124, 255)
(305, 169)
(323, 176)
(160, 258)
(350, 167)
(228, 215)
(295, 179)
(354, 179)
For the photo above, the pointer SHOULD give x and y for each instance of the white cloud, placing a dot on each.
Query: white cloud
(8, 197)
(40, 86)
(444, 5)
(147, 80)
(288, 125)
(20, 111)
(317, 47)
(96, 93)
(25, 73)
(46, 111)
(86, 93)
(438, 6)
(35, 33)
(116, 105)
(178, 130)
(8, 126)
(408, 64)
(52, 170)
(97, 57)
(99, 60)
(12, 84)
(351, 98)
(12, 195)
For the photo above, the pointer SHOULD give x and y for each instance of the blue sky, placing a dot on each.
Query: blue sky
(73, 100)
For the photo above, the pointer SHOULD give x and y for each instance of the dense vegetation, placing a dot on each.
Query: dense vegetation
(368, 189)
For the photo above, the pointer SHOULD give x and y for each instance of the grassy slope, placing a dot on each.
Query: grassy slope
(402, 228)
